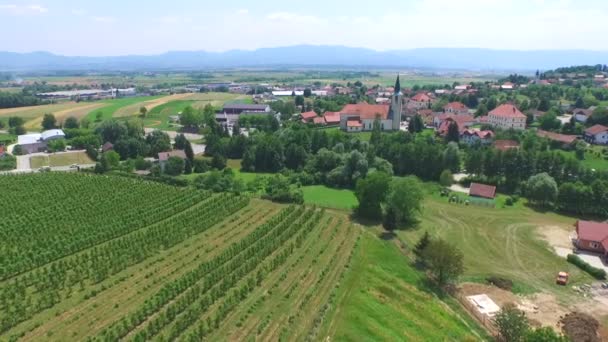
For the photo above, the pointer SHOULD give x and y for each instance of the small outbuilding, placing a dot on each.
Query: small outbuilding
(482, 190)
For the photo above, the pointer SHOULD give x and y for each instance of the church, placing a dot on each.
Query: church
(360, 117)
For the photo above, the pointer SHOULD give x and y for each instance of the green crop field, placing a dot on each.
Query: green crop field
(330, 198)
(84, 262)
(111, 106)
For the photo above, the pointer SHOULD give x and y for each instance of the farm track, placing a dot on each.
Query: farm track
(299, 219)
(142, 282)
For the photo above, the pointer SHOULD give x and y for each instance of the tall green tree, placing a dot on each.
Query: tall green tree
(453, 134)
(542, 189)
(405, 200)
(512, 324)
(444, 261)
(371, 192)
(49, 121)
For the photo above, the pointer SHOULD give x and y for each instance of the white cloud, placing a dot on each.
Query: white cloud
(242, 11)
(23, 9)
(174, 19)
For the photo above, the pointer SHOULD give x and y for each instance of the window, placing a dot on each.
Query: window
(594, 245)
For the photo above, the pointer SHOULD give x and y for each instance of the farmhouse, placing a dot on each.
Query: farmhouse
(556, 137)
(507, 116)
(360, 117)
(239, 108)
(419, 101)
(308, 116)
(482, 190)
(163, 157)
(592, 236)
(442, 121)
(37, 142)
(332, 118)
(456, 108)
(470, 137)
(581, 115)
(597, 134)
(505, 145)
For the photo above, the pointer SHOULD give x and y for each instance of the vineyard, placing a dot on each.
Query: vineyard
(96, 258)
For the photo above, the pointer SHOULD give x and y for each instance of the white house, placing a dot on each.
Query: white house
(597, 134)
(507, 116)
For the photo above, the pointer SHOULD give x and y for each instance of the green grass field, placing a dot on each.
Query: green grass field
(381, 299)
(9, 138)
(60, 159)
(323, 196)
(592, 160)
(107, 112)
(504, 242)
(159, 116)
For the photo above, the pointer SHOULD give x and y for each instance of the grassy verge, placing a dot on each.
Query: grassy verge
(323, 196)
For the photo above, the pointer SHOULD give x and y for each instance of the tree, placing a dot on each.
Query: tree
(110, 160)
(544, 334)
(451, 157)
(158, 141)
(299, 101)
(512, 324)
(371, 192)
(143, 111)
(444, 261)
(218, 162)
(417, 124)
(190, 117)
(422, 244)
(542, 189)
(57, 145)
(405, 199)
(549, 120)
(307, 92)
(376, 136)
(453, 134)
(49, 121)
(98, 116)
(71, 123)
(446, 178)
(112, 131)
(174, 166)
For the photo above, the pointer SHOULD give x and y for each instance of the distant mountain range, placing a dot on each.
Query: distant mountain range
(309, 55)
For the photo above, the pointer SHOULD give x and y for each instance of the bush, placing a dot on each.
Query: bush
(502, 283)
(595, 272)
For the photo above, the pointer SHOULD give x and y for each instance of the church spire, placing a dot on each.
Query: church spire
(397, 85)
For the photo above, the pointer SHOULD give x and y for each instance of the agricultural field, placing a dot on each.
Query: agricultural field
(33, 114)
(329, 198)
(111, 106)
(181, 264)
(60, 159)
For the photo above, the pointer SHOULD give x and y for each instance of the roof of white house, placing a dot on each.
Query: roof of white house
(27, 139)
(287, 92)
(52, 133)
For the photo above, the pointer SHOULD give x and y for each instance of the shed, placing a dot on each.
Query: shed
(482, 190)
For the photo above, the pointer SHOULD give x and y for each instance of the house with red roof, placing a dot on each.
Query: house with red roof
(507, 116)
(597, 134)
(419, 101)
(456, 108)
(482, 190)
(592, 237)
(442, 121)
(559, 138)
(505, 145)
(332, 118)
(473, 136)
(319, 120)
(308, 116)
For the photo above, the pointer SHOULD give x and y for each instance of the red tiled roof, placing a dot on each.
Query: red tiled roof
(107, 146)
(593, 231)
(481, 134)
(456, 106)
(319, 120)
(332, 117)
(308, 115)
(595, 130)
(163, 156)
(421, 97)
(508, 111)
(482, 190)
(566, 139)
(366, 110)
(354, 123)
(504, 145)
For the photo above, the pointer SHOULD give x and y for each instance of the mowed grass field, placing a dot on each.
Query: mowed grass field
(60, 159)
(329, 198)
(33, 114)
(504, 242)
(213, 269)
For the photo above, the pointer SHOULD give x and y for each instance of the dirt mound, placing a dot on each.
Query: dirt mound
(580, 327)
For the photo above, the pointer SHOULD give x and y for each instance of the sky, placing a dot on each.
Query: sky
(121, 27)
